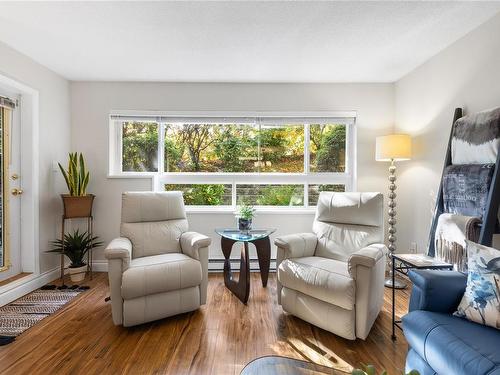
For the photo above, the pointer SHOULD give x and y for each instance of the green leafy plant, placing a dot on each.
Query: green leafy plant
(75, 247)
(229, 149)
(202, 194)
(76, 176)
(370, 370)
(284, 195)
(246, 212)
(331, 155)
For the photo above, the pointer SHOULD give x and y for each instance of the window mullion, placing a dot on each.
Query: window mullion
(120, 145)
(306, 163)
(161, 148)
(233, 194)
(306, 148)
(258, 145)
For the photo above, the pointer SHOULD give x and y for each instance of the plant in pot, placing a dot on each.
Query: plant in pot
(370, 370)
(75, 246)
(245, 215)
(77, 203)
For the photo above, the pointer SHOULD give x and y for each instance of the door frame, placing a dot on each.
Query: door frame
(29, 169)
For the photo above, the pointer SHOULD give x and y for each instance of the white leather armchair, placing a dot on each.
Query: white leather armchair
(156, 268)
(334, 277)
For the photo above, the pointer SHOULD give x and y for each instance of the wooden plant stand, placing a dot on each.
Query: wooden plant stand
(75, 211)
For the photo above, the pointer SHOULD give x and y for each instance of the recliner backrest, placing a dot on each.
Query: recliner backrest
(347, 222)
(153, 221)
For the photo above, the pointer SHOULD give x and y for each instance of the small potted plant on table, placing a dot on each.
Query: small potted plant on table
(245, 215)
(75, 246)
(77, 203)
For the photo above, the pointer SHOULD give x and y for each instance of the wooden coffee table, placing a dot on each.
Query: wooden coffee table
(260, 238)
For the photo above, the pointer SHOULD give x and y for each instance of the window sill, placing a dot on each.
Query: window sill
(258, 211)
(131, 175)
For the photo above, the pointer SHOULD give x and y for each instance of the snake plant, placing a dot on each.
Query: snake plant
(75, 246)
(76, 176)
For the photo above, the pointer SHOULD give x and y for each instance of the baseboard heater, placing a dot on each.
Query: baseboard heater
(217, 265)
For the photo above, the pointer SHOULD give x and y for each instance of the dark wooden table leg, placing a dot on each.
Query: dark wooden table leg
(263, 247)
(240, 288)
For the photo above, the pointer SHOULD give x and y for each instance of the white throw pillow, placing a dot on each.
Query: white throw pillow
(481, 300)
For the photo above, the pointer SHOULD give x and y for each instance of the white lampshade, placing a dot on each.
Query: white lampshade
(393, 147)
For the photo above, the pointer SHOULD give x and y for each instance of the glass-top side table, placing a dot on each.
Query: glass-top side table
(244, 236)
(260, 238)
(408, 262)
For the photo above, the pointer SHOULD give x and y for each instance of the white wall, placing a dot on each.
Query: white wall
(91, 103)
(54, 141)
(466, 74)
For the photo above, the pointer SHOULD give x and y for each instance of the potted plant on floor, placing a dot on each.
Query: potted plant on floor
(245, 215)
(77, 203)
(370, 370)
(75, 247)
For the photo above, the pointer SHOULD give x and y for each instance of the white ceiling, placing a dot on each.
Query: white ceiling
(237, 41)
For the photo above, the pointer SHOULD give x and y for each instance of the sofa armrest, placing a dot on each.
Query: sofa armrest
(434, 290)
(297, 245)
(192, 242)
(367, 256)
(119, 248)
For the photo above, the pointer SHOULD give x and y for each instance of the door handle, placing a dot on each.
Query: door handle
(17, 191)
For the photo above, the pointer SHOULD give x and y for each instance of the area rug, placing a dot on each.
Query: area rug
(18, 316)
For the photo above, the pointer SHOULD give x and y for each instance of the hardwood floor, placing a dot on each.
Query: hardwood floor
(219, 338)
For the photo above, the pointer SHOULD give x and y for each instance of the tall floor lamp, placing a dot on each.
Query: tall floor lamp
(392, 148)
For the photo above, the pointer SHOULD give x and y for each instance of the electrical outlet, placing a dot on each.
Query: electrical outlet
(55, 166)
(413, 247)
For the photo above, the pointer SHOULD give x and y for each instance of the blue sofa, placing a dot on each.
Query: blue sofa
(441, 343)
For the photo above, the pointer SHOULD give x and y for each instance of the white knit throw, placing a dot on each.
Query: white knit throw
(451, 232)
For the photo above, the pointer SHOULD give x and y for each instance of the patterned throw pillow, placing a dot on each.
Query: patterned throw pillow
(481, 300)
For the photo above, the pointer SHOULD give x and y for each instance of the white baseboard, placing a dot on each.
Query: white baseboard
(25, 285)
(100, 266)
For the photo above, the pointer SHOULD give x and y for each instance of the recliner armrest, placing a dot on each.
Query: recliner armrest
(192, 242)
(119, 248)
(435, 290)
(367, 256)
(118, 254)
(297, 245)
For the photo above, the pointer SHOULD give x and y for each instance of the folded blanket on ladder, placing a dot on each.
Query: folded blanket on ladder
(451, 232)
(466, 188)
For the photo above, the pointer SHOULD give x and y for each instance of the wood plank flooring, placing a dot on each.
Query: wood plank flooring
(219, 338)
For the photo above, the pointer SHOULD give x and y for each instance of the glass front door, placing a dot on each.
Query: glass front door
(10, 191)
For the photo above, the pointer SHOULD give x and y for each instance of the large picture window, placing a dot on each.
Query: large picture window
(263, 161)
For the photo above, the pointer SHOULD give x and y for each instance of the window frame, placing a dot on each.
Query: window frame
(160, 178)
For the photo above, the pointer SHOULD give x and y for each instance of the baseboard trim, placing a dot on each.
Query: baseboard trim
(25, 285)
(214, 265)
(100, 266)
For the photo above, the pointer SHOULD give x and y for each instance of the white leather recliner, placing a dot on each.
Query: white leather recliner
(156, 268)
(334, 277)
